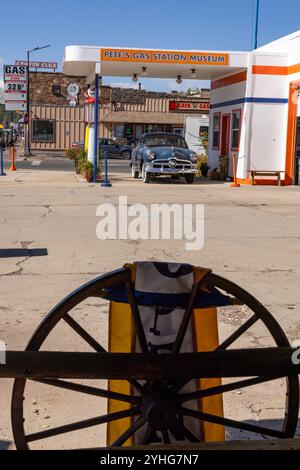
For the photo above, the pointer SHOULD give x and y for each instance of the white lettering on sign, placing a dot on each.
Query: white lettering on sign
(38, 65)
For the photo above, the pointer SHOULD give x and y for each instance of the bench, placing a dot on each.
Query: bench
(255, 173)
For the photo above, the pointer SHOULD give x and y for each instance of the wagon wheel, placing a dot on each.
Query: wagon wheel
(139, 406)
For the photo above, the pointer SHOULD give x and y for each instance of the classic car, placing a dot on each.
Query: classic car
(163, 153)
(113, 148)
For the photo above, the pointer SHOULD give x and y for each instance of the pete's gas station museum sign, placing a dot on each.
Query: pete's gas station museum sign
(163, 57)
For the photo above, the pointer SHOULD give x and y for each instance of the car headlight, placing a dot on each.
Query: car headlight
(193, 156)
(151, 155)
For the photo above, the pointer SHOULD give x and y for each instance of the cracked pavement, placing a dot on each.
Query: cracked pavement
(252, 236)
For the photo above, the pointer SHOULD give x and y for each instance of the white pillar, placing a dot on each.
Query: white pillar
(91, 145)
(243, 163)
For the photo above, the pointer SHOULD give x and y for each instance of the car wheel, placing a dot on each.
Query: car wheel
(126, 155)
(134, 172)
(145, 175)
(190, 178)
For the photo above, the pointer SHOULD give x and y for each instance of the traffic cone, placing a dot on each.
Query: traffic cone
(12, 156)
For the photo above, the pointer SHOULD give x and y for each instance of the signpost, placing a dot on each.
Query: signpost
(15, 87)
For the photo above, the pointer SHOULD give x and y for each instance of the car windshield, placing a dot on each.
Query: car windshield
(170, 140)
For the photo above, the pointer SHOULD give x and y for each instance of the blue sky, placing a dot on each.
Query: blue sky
(175, 24)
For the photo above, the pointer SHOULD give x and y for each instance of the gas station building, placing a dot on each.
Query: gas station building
(255, 106)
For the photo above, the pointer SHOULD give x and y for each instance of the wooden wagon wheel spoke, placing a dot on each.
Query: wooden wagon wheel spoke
(237, 333)
(166, 437)
(83, 333)
(94, 344)
(179, 385)
(98, 392)
(147, 436)
(231, 423)
(130, 432)
(208, 392)
(82, 424)
(140, 332)
(186, 318)
(179, 429)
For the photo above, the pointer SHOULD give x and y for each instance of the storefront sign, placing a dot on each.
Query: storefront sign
(184, 106)
(38, 65)
(163, 57)
(15, 88)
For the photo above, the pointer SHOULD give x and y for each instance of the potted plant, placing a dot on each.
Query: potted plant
(223, 167)
(88, 170)
(203, 159)
(79, 156)
(202, 166)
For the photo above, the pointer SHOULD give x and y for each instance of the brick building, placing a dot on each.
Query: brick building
(57, 114)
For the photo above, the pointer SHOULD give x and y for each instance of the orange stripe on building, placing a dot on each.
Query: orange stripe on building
(275, 70)
(294, 69)
(237, 78)
(269, 70)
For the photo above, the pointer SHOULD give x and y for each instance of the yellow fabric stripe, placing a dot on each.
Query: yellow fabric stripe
(206, 338)
(121, 339)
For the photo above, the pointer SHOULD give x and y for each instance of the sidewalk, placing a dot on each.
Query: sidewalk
(37, 177)
(36, 154)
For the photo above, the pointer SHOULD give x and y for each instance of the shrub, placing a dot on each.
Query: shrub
(202, 165)
(79, 156)
(88, 170)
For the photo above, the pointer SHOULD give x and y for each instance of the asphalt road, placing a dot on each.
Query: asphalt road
(61, 164)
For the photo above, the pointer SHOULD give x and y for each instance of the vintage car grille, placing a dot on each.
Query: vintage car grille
(181, 164)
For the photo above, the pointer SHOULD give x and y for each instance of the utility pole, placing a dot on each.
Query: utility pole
(255, 25)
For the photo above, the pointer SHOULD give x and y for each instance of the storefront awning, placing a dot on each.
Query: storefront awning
(144, 118)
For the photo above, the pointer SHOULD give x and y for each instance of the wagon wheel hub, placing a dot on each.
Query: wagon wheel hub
(159, 408)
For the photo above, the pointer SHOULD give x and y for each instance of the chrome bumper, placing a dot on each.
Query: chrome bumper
(163, 169)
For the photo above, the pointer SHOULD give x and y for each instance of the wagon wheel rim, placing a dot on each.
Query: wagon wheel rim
(177, 428)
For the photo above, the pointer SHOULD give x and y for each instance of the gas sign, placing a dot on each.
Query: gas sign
(15, 87)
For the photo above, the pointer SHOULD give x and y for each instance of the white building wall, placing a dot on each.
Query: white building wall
(269, 122)
(264, 143)
(268, 137)
(224, 95)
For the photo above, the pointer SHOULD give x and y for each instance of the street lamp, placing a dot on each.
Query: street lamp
(27, 152)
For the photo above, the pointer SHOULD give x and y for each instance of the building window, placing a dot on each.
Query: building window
(178, 130)
(128, 131)
(236, 126)
(216, 131)
(203, 130)
(149, 128)
(119, 131)
(42, 130)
